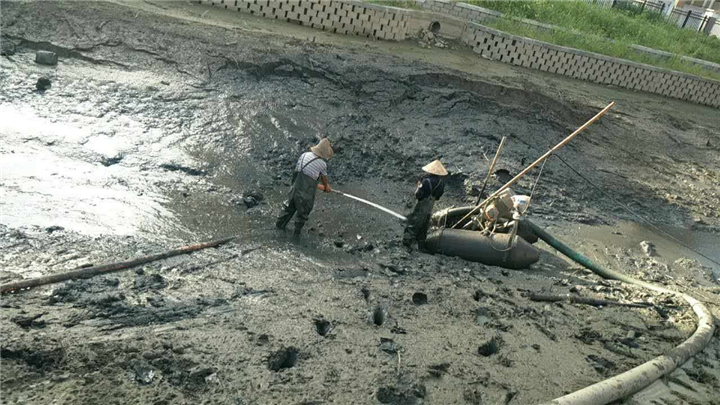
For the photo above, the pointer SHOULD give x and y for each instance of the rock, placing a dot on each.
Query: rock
(482, 316)
(46, 58)
(201, 372)
(388, 345)
(649, 248)
(339, 243)
(144, 373)
(43, 84)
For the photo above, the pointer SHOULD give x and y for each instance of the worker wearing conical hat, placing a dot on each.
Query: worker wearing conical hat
(310, 169)
(430, 188)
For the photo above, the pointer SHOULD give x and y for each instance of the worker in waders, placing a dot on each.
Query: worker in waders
(310, 168)
(430, 188)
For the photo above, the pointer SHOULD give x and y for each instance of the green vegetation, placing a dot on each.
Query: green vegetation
(625, 25)
(607, 31)
(594, 43)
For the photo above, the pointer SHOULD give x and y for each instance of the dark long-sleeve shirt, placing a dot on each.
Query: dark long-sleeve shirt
(430, 184)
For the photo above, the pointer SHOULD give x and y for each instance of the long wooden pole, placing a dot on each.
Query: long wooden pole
(490, 170)
(538, 161)
(108, 268)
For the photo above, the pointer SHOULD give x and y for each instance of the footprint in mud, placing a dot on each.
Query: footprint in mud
(379, 315)
(149, 281)
(601, 365)
(366, 293)
(491, 347)
(419, 298)
(399, 396)
(323, 327)
(283, 359)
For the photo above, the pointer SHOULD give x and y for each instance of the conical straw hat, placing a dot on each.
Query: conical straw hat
(323, 149)
(435, 168)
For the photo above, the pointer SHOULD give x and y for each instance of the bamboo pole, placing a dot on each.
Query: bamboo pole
(538, 161)
(490, 170)
(108, 268)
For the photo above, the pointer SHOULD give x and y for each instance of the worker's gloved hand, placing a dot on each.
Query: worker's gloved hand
(328, 189)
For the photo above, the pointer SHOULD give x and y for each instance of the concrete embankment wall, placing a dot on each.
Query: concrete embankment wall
(521, 51)
(347, 17)
(352, 17)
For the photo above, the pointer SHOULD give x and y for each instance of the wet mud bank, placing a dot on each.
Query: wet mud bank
(158, 130)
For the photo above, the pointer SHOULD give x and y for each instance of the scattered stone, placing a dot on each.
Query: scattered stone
(144, 373)
(648, 248)
(388, 345)
(43, 84)
(536, 347)
(200, 373)
(283, 359)
(482, 316)
(339, 243)
(419, 298)
(46, 58)
(366, 293)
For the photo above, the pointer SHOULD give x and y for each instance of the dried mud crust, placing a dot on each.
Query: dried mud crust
(345, 315)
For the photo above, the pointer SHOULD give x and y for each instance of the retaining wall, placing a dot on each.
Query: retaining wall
(347, 17)
(526, 52)
(481, 15)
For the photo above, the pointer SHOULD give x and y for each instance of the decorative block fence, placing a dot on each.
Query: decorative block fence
(347, 17)
(520, 51)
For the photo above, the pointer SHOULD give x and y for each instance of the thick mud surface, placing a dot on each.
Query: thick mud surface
(163, 118)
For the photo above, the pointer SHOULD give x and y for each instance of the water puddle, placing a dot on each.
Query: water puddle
(52, 175)
(628, 235)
